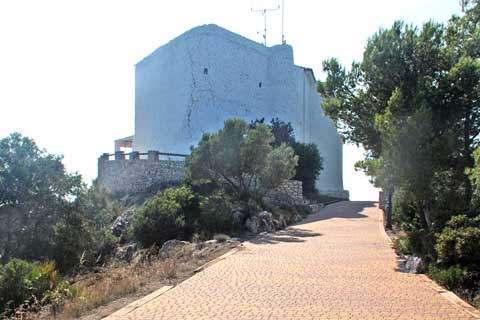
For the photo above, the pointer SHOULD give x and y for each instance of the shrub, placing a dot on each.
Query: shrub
(22, 282)
(310, 164)
(476, 301)
(241, 160)
(420, 241)
(459, 242)
(170, 214)
(402, 245)
(216, 215)
(452, 277)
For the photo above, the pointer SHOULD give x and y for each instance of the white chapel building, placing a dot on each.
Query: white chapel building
(207, 75)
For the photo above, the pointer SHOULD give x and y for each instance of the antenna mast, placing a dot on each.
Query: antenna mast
(264, 14)
(283, 16)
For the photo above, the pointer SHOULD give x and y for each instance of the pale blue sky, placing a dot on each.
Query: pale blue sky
(67, 67)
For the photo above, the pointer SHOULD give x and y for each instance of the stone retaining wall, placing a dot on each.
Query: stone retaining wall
(129, 176)
(290, 191)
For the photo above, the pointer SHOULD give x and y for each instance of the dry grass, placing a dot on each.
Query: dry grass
(118, 282)
(100, 289)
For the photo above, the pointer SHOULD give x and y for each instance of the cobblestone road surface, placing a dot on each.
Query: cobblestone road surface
(337, 264)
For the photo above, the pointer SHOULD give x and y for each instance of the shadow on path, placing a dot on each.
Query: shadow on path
(342, 210)
(286, 235)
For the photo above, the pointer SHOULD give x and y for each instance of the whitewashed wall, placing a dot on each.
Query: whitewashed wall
(195, 82)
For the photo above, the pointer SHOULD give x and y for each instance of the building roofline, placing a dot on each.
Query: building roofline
(215, 30)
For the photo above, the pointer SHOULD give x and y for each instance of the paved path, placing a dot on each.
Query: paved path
(335, 265)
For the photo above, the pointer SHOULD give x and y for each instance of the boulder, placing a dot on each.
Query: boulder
(125, 253)
(171, 247)
(141, 257)
(262, 222)
(414, 264)
(121, 223)
(279, 222)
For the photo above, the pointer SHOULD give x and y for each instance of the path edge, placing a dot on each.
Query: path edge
(448, 295)
(157, 293)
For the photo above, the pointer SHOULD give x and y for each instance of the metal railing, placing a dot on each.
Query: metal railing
(151, 155)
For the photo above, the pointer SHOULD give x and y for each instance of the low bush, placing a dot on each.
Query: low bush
(25, 283)
(420, 241)
(459, 242)
(171, 214)
(452, 277)
(216, 215)
(402, 245)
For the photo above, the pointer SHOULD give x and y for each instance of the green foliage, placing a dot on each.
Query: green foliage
(282, 131)
(459, 242)
(421, 241)
(34, 191)
(452, 277)
(310, 163)
(413, 103)
(402, 245)
(76, 243)
(47, 213)
(22, 282)
(216, 215)
(171, 214)
(240, 159)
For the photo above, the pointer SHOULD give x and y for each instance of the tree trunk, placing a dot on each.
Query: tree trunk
(8, 244)
(388, 222)
(467, 158)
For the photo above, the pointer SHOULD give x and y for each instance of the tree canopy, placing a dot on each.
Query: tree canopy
(413, 103)
(242, 160)
(46, 212)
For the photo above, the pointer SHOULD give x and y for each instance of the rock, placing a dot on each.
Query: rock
(279, 222)
(237, 213)
(414, 265)
(125, 253)
(262, 222)
(170, 247)
(251, 224)
(141, 257)
(121, 223)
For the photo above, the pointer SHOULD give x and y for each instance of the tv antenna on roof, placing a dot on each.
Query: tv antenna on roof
(264, 14)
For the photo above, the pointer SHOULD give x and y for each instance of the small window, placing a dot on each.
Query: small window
(260, 84)
(205, 71)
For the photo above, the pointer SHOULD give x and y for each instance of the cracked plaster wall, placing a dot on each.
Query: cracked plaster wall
(195, 82)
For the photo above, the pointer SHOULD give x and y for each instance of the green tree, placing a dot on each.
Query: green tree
(47, 213)
(34, 190)
(242, 160)
(310, 163)
(412, 102)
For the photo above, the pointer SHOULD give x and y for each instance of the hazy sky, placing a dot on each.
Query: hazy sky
(67, 67)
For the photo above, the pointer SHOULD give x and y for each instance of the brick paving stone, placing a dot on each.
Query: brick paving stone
(336, 264)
